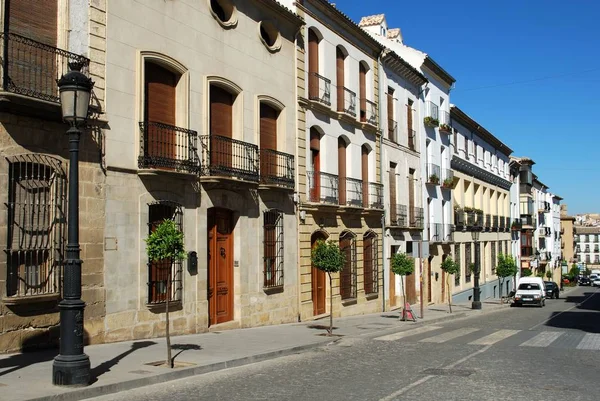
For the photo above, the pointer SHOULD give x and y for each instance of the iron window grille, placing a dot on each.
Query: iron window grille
(168, 147)
(494, 261)
(36, 225)
(468, 262)
(457, 261)
(273, 249)
(348, 275)
(370, 263)
(158, 272)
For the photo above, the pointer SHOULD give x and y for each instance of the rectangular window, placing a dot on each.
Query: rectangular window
(348, 275)
(458, 261)
(160, 272)
(468, 262)
(273, 249)
(370, 263)
(494, 261)
(36, 225)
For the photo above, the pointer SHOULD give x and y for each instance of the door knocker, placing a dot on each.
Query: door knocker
(222, 252)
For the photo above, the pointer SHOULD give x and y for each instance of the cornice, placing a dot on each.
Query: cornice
(403, 68)
(466, 167)
(460, 116)
(439, 71)
(282, 10)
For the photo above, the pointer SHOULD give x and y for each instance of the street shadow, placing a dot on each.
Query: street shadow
(30, 354)
(583, 301)
(584, 321)
(321, 327)
(182, 348)
(105, 367)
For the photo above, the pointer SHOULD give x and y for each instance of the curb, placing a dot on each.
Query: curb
(89, 392)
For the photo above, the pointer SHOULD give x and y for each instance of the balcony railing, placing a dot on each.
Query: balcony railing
(433, 111)
(433, 174)
(528, 220)
(222, 156)
(487, 225)
(375, 198)
(494, 222)
(349, 103)
(448, 233)
(460, 218)
(351, 193)
(319, 88)
(166, 147)
(474, 219)
(398, 215)
(436, 232)
(527, 251)
(393, 131)
(415, 217)
(369, 113)
(447, 178)
(276, 168)
(516, 225)
(444, 121)
(412, 135)
(323, 188)
(31, 68)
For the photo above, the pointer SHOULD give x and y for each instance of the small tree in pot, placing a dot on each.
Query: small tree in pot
(507, 267)
(449, 266)
(328, 257)
(165, 245)
(402, 265)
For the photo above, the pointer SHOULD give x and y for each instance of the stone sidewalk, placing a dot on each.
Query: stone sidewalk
(126, 365)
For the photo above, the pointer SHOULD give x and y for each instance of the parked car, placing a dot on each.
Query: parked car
(596, 282)
(530, 291)
(584, 280)
(552, 290)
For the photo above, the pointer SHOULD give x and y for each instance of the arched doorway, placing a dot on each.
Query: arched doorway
(318, 281)
(220, 266)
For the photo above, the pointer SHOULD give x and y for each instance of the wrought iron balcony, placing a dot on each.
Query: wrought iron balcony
(415, 217)
(398, 215)
(448, 235)
(412, 135)
(474, 219)
(494, 222)
(501, 223)
(351, 192)
(547, 231)
(393, 131)
(276, 168)
(433, 174)
(516, 225)
(375, 196)
(436, 232)
(460, 218)
(348, 102)
(444, 121)
(432, 114)
(227, 157)
(319, 88)
(528, 220)
(323, 188)
(527, 251)
(487, 225)
(368, 112)
(166, 147)
(31, 68)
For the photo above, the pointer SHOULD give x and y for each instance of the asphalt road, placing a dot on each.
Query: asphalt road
(528, 353)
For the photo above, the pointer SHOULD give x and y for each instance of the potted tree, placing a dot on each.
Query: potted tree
(507, 267)
(450, 267)
(165, 244)
(328, 257)
(402, 265)
(431, 122)
(526, 272)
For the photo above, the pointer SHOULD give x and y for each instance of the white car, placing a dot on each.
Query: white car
(596, 282)
(531, 291)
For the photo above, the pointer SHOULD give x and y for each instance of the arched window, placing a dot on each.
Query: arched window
(371, 263)
(348, 275)
(158, 272)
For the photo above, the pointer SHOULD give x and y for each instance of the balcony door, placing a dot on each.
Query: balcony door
(393, 203)
(159, 103)
(313, 65)
(315, 163)
(221, 129)
(362, 86)
(268, 141)
(342, 171)
(409, 124)
(365, 175)
(390, 113)
(339, 63)
(411, 196)
(318, 283)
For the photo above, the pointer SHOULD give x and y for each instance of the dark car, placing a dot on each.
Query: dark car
(552, 289)
(583, 280)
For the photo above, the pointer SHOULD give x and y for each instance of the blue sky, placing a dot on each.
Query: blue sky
(528, 71)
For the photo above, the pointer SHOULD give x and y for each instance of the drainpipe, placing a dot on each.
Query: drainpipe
(381, 180)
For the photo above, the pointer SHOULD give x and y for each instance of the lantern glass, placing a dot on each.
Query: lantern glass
(475, 235)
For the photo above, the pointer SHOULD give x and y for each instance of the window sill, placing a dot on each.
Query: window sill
(349, 302)
(273, 290)
(161, 307)
(34, 299)
(371, 297)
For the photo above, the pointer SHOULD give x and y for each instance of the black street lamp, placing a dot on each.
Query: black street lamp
(71, 367)
(476, 304)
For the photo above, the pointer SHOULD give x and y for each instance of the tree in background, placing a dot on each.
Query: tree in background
(403, 265)
(450, 267)
(165, 246)
(328, 257)
(525, 272)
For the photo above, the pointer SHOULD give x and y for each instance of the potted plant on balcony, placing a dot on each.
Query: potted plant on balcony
(515, 226)
(431, 122)
(434, 179)
(444, 127)
(448, 183)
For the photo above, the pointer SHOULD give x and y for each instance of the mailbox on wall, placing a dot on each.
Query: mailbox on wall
(192, 264)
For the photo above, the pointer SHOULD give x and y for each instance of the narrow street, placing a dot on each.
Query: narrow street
(528, 353)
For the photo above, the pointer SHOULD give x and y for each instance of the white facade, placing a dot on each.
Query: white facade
(515, 215)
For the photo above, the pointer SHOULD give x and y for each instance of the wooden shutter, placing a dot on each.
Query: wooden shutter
(365, 175)
(313, 64)
(221, 127)
(411, 196)
(315, 143)
(368, 264)
(392, 185)
(362, 82)
(409, 124)
(340, 78)
(160, 108)
(34, 19)
(268, 140)
(342, 170)
(390, 113)
(346, 273)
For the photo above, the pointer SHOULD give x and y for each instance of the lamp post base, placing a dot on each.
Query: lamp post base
(476, 305)
(71, 370)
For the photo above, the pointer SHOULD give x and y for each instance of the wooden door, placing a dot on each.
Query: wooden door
(411, 197)
(392, 289)
(313, 65)
(339, 63)
(429, 279)
(268, 141)
(390, 113)
(365, 175)
(342, 171)
(443, 286)
(315, 146)
(159, 102)
(221, 128)
(220, 266)
(362, 84)
(392, 186)
(411, 290)
(318, 282)
(409, 124)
